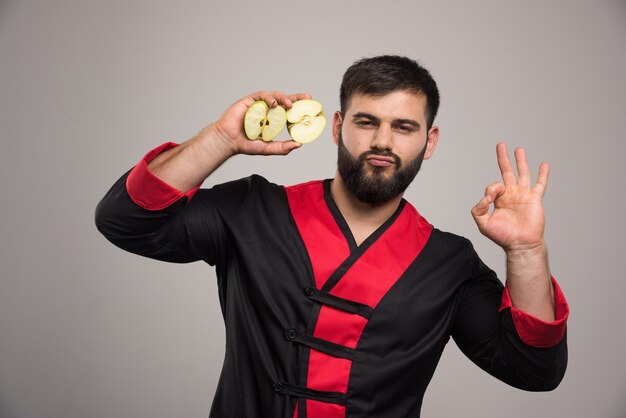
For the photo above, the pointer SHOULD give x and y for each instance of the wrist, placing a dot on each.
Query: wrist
(214, 143)
(528, 280)
(526, 250)
(527, 261)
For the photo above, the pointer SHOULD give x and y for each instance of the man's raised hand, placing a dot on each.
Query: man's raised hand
(230, 130)
(517, 220)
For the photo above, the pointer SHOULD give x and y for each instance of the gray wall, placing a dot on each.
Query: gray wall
(86, 88)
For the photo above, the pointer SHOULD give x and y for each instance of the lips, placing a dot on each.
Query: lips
(380, 160)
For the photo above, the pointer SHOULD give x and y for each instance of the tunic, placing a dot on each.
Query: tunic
(317, 326)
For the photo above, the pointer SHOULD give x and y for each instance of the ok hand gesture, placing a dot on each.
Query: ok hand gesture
(517, 220)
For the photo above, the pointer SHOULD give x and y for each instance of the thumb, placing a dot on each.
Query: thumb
(480, 212)
(281, 147)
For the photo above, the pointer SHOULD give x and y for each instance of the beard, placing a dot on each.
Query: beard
(375, 187)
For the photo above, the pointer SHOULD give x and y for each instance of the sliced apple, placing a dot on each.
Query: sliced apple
(263, 122)
(306, 120)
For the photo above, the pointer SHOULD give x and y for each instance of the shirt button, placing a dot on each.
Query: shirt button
(308, 291)
(278, 387)
(291, 334)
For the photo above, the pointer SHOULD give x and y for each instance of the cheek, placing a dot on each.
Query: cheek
(350, 141)
(410, 151)
(357, 141)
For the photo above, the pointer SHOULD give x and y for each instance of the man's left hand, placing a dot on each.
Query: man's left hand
(517, 221)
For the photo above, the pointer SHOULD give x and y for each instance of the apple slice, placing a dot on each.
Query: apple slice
(306, 120)
(264, 122)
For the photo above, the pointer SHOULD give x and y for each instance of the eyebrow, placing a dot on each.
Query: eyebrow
(373, 118)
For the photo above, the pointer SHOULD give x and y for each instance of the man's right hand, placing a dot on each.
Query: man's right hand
(229, 128)
(187, 165)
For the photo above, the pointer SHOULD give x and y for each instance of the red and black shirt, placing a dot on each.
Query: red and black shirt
(317, 326)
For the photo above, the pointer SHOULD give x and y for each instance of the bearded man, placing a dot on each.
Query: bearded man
(338, 296)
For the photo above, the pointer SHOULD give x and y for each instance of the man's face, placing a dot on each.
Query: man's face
(382, 143)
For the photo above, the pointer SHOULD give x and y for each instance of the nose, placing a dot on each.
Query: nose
(382, 139)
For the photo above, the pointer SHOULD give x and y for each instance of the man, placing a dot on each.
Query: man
(338, 297)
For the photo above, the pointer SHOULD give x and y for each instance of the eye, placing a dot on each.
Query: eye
(364, 123)
(405, 129)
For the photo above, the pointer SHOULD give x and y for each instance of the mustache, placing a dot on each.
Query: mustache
(387, 154)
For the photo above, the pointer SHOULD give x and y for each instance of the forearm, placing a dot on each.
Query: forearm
(190, 163)
(529, 283)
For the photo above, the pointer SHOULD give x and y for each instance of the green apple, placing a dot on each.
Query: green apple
(264, 122)
(306, 120)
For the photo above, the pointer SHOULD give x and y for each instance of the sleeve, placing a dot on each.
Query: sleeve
(534, 331)
(146, 216)
(150, 192)
(509, 344)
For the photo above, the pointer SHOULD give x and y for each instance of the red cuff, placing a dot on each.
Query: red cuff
(533, 331)
(149, 191)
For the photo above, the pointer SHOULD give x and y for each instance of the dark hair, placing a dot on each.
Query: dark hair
(384, 74)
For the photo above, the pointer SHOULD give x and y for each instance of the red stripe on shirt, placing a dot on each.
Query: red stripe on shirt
(366, 281)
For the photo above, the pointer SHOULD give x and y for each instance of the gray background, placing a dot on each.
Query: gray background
(87, 88)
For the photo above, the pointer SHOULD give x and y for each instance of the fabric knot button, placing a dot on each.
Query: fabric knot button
(308, 291)
(291, 334)
(278, 387)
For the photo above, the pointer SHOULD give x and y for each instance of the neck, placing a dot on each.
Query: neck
(362, 218)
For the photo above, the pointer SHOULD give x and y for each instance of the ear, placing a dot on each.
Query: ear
(337, 120)
(433, 138)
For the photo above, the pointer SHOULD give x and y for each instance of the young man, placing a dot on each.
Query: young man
(338, 297)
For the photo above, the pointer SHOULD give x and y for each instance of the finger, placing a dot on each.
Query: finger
(282, 99)
(272, 98)
(299, 96)
(278, 98)
(482, 207)
(542, 178)
(248, 100)
(505, 165)
(523, 179)
(494, 190)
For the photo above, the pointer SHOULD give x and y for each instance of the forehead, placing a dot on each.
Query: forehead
(394, 105)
